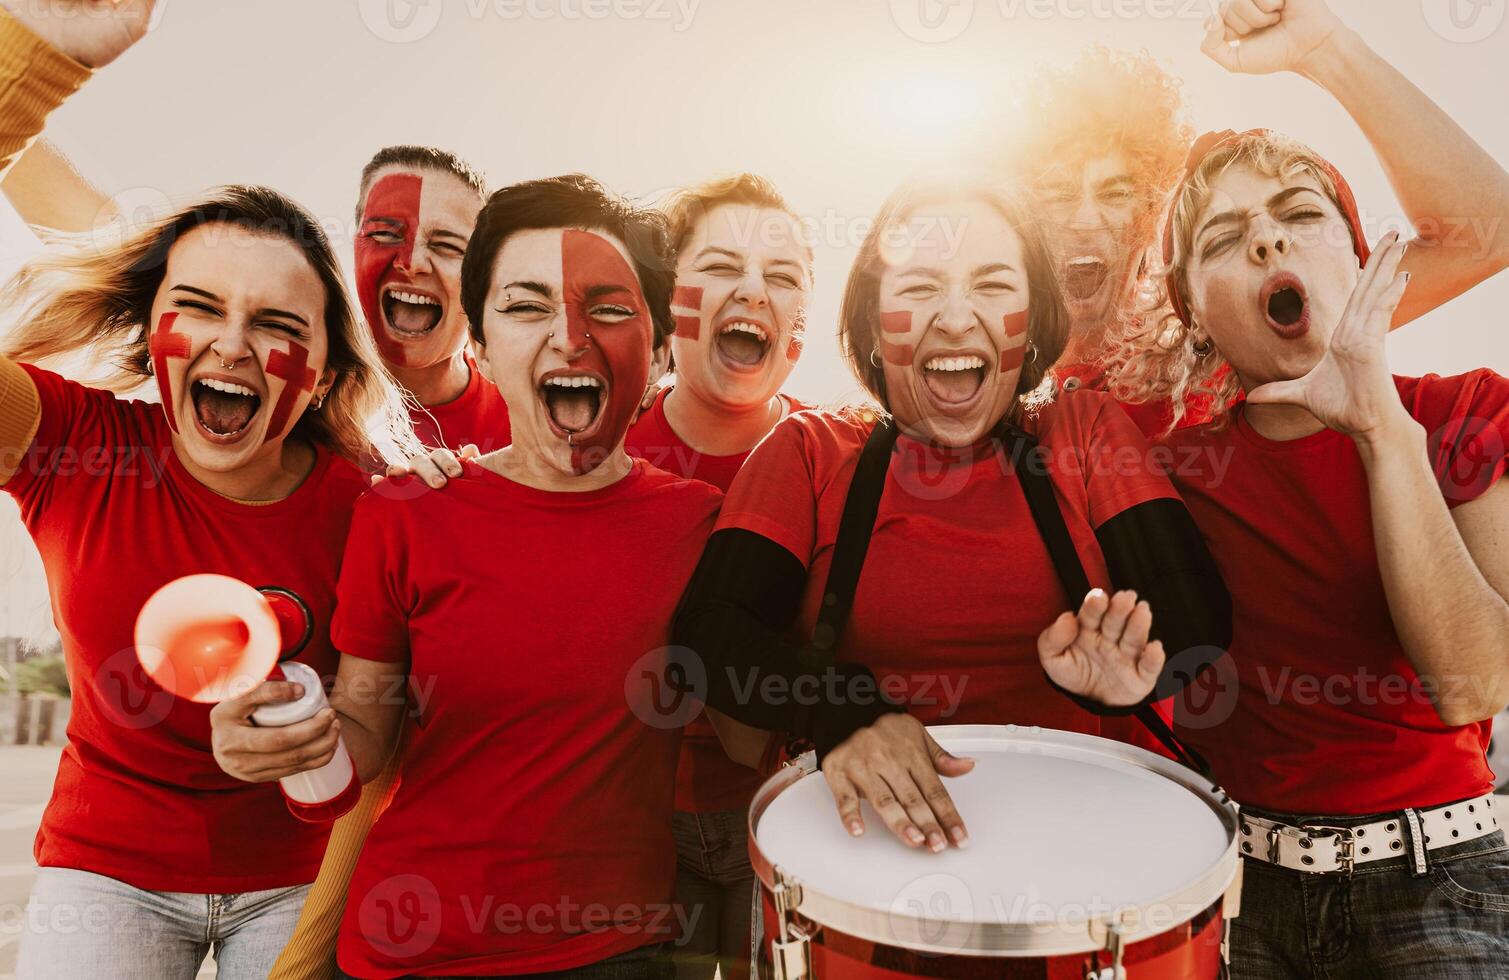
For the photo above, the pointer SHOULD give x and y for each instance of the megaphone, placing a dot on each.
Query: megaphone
(211, 637)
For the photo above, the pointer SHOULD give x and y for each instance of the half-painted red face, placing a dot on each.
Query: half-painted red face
(413, 235)
(237, 343)
(569, 342)
(953, 321)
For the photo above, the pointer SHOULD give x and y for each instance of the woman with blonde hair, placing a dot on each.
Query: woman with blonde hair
(1358, 518)
(234, 308)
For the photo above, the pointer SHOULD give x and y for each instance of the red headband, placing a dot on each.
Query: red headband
(1209, 143)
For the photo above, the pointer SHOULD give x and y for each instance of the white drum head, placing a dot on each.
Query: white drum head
(1064, 829)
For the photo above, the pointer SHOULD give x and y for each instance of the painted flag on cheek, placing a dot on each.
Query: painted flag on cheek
(163, 344)
(392, 207)
(686, 308)
(1016, 341)
(293, 367)
(896, 324)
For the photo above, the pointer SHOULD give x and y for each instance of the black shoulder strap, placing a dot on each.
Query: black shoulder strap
(854, 530)
(1032, 474)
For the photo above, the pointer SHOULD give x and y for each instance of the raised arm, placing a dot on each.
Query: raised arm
(20, 414)
(47, 191)
(1453, 192)
(47, 50)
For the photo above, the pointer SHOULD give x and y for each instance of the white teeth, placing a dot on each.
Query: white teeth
(573, 381)
(227, 387)
(413, 299)
(744, 326)
(1085, 260)
(968, 363)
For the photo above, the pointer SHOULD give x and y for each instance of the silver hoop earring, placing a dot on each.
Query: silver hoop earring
(1202, 348)
(874, 363)
(1032, 353)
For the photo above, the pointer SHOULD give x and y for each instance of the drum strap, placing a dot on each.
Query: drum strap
(857, 524)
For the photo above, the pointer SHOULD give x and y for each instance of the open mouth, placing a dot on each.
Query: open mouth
(573, 402)
(743, 343)
(224, 409)
(954, 380)
(1285, 305)
(410, 314)
(1084, 275)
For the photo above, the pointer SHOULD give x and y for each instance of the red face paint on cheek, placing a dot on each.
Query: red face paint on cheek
(794, 348)
(163, 344)
(595, 272)
(293, 367)
(898, 322)
(1016, 341)
(391, 209)
(686, 306)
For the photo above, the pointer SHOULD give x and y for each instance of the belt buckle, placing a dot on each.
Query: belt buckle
(1346, 844)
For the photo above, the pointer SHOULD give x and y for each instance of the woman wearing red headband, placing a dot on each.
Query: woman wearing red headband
(234, 307)
(1360, 523)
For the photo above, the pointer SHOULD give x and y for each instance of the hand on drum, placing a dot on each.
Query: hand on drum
(895, 764)
(262, 755)
(1103, 653)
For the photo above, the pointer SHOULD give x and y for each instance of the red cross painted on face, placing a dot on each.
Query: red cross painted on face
(163, 344)
(897, 322)
(293, 367)
(391, 210)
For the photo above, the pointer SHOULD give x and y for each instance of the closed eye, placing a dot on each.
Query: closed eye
(525, 308)
(1218, 244)
(1303, 214)
(188, 304)
(283, 327)
(722, 269)
(995, 287)
(610, 313)
(785, 279)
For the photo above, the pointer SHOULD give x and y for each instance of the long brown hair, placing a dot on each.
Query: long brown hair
(1047, 318)
(94, 294)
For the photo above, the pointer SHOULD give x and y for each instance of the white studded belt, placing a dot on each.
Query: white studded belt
(1323, 849)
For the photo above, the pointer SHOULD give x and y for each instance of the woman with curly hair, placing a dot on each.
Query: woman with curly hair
(1358, 518)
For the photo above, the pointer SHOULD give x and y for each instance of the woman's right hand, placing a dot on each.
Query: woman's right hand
(436, 467)
(895, 764)
(261, 755)
(91, 32)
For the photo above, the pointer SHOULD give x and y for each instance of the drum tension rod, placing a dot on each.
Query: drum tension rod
(791, 955)
(1113, 948)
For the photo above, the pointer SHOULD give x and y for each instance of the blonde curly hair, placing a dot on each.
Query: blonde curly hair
(1163, 355)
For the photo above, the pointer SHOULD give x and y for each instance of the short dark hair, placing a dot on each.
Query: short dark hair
(859, 317)
(687, 206)
(571, 201)
(419, 158)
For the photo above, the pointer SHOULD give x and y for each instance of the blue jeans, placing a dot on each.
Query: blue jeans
(644, 963)
(84, 926)
(716, 887)
(1382, 923)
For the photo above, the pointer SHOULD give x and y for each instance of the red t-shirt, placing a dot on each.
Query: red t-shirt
(957, 583)
(1153, 417)
(138, 796)
(479, 416)
(707, 780)
(532, 829)
(1317, 710)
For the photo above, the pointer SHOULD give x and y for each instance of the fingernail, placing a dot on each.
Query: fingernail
(856, 829)
(936, 842)
(961, 839)
(1095, 592)
(914, 836)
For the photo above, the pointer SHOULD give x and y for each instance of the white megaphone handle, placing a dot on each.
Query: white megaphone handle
(319, 794)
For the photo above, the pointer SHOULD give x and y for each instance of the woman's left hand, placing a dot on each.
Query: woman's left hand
(1350, 389)
(1103, 653)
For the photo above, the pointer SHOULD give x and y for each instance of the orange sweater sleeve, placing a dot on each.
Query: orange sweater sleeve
(35, 78)
(20, 414)
(310, 953)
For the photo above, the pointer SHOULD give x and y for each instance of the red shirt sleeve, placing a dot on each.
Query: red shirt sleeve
(371, 617)
(775, 493)
(1466, 419)
(77, 432)
(1089, 437)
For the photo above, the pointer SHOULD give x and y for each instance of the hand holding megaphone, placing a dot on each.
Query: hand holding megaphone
(215, 640)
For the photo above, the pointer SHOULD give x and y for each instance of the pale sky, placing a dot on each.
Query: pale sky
(834, 100)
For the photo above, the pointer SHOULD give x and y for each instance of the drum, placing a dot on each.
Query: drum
(1088, 858)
